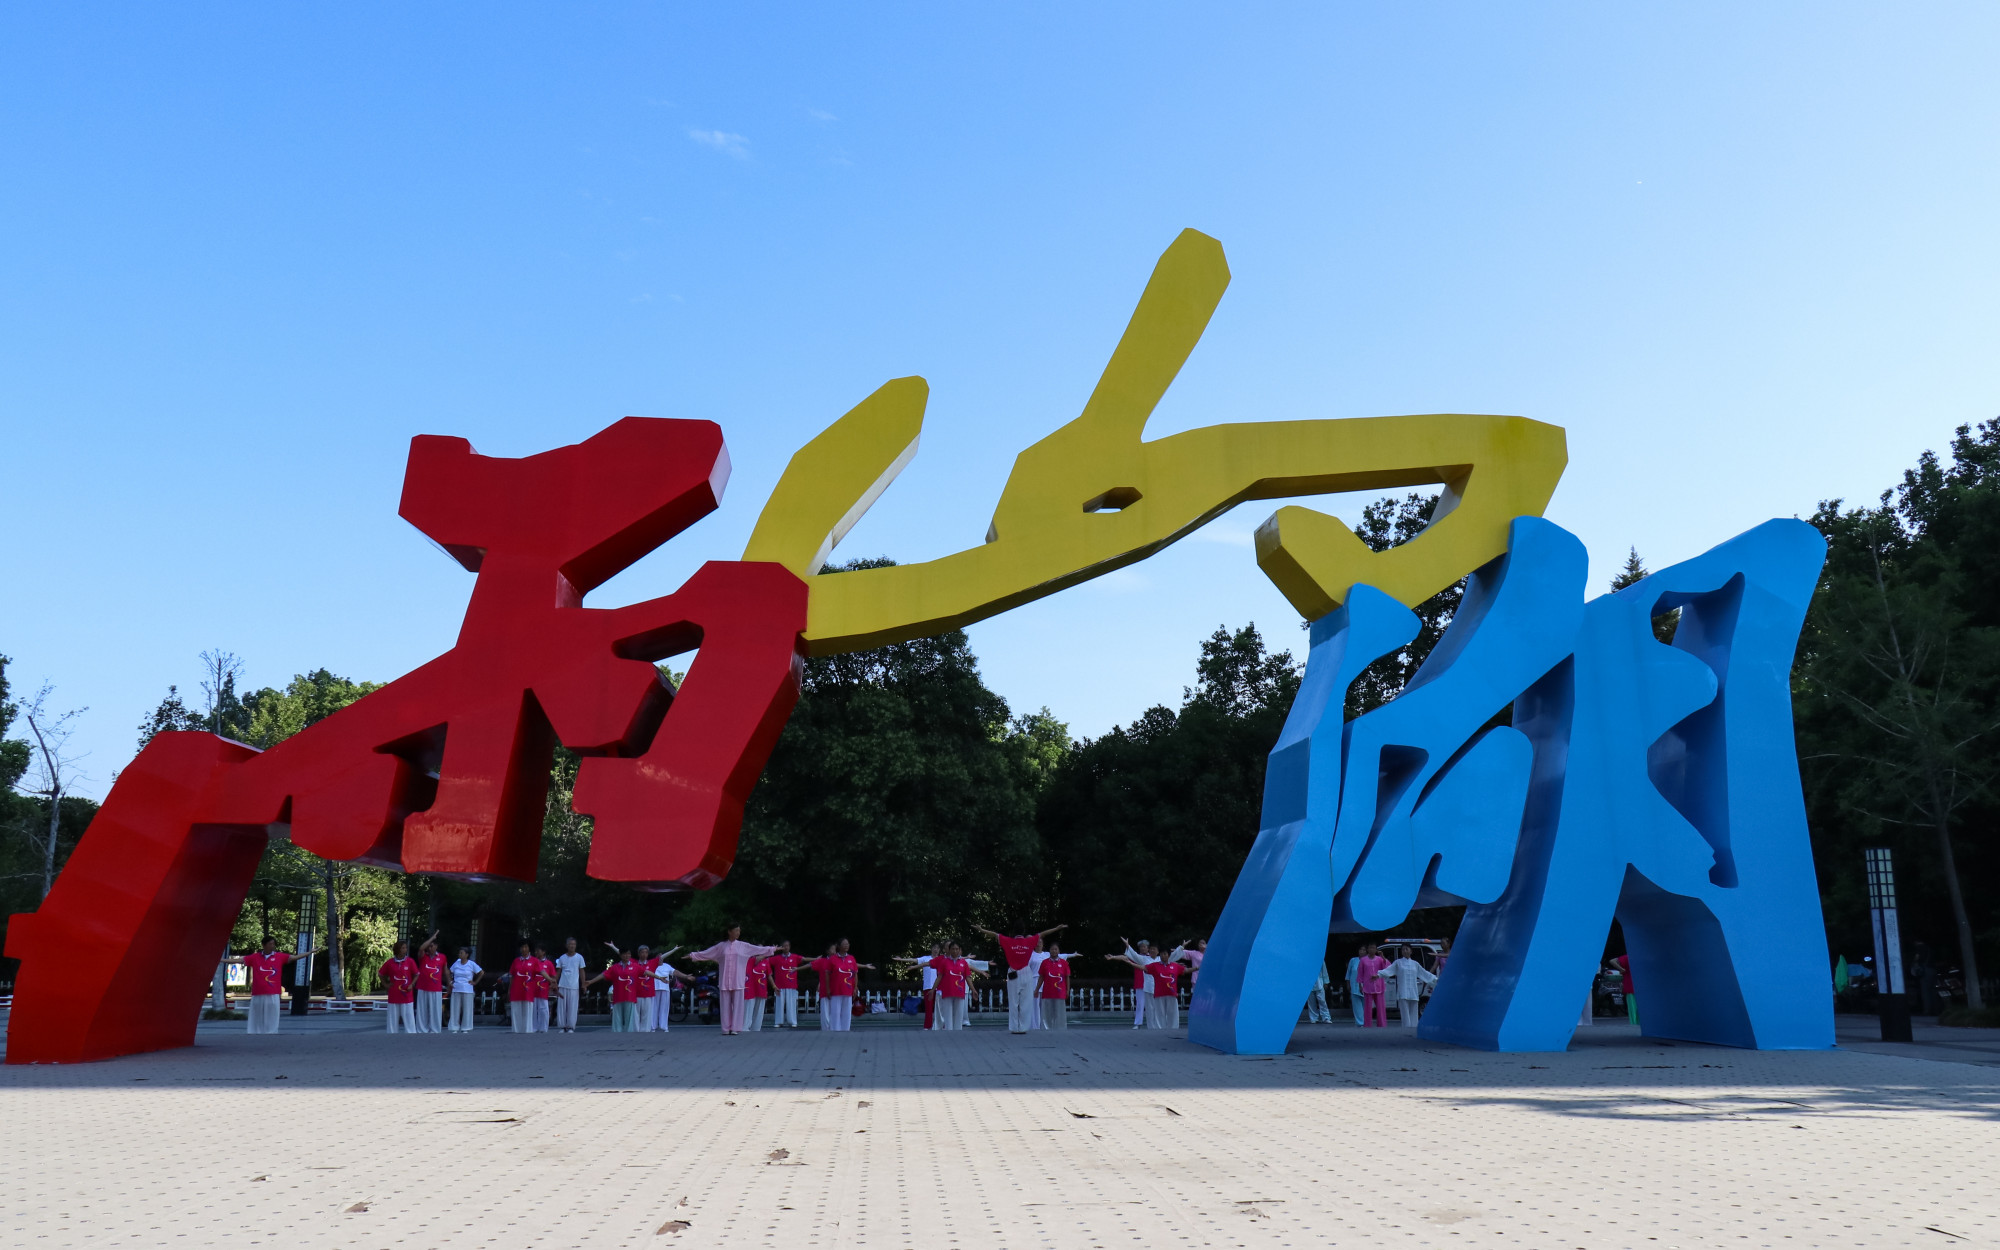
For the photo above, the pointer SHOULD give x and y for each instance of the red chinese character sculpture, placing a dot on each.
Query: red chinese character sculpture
(445, 771)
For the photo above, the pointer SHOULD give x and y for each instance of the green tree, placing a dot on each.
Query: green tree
(1390, 523)
(1146, 826)
(1898, 691)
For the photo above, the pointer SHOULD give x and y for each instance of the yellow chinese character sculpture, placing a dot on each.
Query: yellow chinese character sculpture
(1094, 496)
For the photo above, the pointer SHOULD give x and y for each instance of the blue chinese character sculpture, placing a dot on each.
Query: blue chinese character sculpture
(1652, 782)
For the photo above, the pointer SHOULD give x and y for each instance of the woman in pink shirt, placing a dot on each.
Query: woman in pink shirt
(734, 955)
(1375, 1013)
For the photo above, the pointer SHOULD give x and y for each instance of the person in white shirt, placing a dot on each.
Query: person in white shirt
(1354, 983)
(929, 975)
(569, 986)
(465, 977)
(664, 976)
(1139, 957)
(1317, 1011)
(1407, 979)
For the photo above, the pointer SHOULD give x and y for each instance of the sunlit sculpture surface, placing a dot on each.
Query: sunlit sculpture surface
(1653, 782)
(445, 770)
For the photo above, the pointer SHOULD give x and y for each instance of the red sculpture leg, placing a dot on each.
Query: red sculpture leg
(116, 959)
(670, 818)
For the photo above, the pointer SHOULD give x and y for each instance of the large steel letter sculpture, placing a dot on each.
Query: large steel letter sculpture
(445, 770)
(1652, 782)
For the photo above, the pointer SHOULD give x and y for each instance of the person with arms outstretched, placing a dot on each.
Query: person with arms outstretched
(734, 956)
(267, 968)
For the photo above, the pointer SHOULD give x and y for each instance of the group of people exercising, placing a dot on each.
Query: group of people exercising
(427, 993)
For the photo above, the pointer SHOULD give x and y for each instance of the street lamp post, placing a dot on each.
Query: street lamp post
(1890, 999)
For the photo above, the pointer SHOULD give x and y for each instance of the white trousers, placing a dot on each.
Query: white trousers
(1141, 1002)
(836, 1013)
(461, 1013)
(539, 1019)
(566, 999)
(647, 1008)
(402, 1018)
(1354, 1000)
(753, 1015)
(1163, 1011)
(1407, 1008)
(1055, 1013)
(430, 1011)
(1020, 1003)
(950, 1014)
(663, 1010)
(264, 1013)
(785, 1011)
(521, 1014)
(1316, 1012)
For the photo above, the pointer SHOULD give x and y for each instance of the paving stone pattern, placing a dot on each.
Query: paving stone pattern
(888, 1137)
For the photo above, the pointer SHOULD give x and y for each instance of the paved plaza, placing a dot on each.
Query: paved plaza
(339, 1135)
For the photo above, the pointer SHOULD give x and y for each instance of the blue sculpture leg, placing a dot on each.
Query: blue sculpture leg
(1266, 950)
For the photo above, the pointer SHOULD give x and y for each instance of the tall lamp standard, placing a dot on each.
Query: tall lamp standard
(1890, 999)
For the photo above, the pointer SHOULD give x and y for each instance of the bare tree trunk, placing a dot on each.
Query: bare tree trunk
(1968, 959)
(49, 848)
(336, 971)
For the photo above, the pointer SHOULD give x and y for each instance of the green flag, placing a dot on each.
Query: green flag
(1840, 975)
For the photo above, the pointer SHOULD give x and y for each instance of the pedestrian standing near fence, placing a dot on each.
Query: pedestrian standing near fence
(647, 1003)
(756, 992)
(839, 978)
(785, 967)
(399, 984)
(1354, 999)
(624, 977)
(545, 979)
(1019, 953)
(955, 974)
(1164, 1011)
(928, 972)
(521, 977)
(1368, 974)
(1409, 979)
(1138, 955)
(569, 985)
(430, 986)
(1317, 1011)
(465, 978)
(1052, 988)
(267, 969)
(665, 975)
(734, 956)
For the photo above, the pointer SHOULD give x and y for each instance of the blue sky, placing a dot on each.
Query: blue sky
(1745, 254)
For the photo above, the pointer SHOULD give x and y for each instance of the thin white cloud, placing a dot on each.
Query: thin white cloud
(722, 141)
(821, 115)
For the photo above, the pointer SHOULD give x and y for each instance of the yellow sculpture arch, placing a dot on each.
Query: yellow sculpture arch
(1094, 496)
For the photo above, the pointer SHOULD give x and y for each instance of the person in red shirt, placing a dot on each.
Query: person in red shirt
(399, 982)
(545, 979)
(267, 969)
(756, 991)
(954, 977)
(838, 979)
(784, 966)
(522, 975)
(1053, 988)
(648, 1002)
(430, 986)
(624, 977)
(1164, 1010)
(1020, 955)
